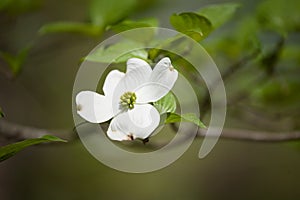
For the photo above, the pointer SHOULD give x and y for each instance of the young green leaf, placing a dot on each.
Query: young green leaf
(219, 14)
(71, 27)
(279, 15)
(167, 104)
(188, 117)
(192, 24)
(17, 7)
(11, 149)
(139, 35)
(15, 63)
(243, 40)
(129, 24)
(160, 45)
(112, 53)
(103, 13)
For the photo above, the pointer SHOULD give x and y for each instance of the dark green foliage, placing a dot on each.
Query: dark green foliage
(11, 149)
(195, 26)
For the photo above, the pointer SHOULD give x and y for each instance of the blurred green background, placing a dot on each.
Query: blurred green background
(41, 96)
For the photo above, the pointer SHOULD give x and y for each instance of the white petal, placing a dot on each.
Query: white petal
(139, 122)
(161, 82)
(94, 107)
(134, 63)
(115, 133)
(111, 81)
(138, 72)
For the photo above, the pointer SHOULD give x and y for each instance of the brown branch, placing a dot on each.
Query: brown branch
(255, 136)
(16, 132)
(9, 130)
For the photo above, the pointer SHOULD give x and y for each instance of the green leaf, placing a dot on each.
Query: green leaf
(129, 24)
(15, 63)
(242, 39)
(11, 149)
(103, 13)
(192, 24)
(1, 113)
(167, 104)
(279, 15)
(112, 53)
(71, 27)
(139, 35)
(17, 7)
(219, 14)
(277, 93)
(178, 43)
(188, 117)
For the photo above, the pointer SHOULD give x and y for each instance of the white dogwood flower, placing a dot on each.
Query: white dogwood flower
(126, 99)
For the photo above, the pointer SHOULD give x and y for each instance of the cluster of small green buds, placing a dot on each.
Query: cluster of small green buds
(128, 100)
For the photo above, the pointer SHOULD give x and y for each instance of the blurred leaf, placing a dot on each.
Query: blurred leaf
(291, 52)
(4, 4)
(192, 24)
(15, 63)
(219, 14)
(129, 24)
(278, 92)
(160, 45)
(279, 15)
(1, 113)
(71, 27)
(11, 149)
(103, 12)
(139, 35)
(189, 117)
(167, 104)
(18, 6)
(117, 53)
(241, 40)
(269, 58)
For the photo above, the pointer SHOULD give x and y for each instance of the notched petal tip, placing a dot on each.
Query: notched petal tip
(162, 80)
(171, 68)
(166, 62)
(78, 107)
(130, 137)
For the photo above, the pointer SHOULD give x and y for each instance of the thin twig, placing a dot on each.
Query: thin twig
(255, 136)
(248, 135)
(9, 130)
(16, 132)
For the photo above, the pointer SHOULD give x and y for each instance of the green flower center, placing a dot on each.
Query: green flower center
(128, 100)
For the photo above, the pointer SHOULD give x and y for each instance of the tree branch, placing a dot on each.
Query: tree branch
(255, 136)
(13, 131)
(9, 130)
